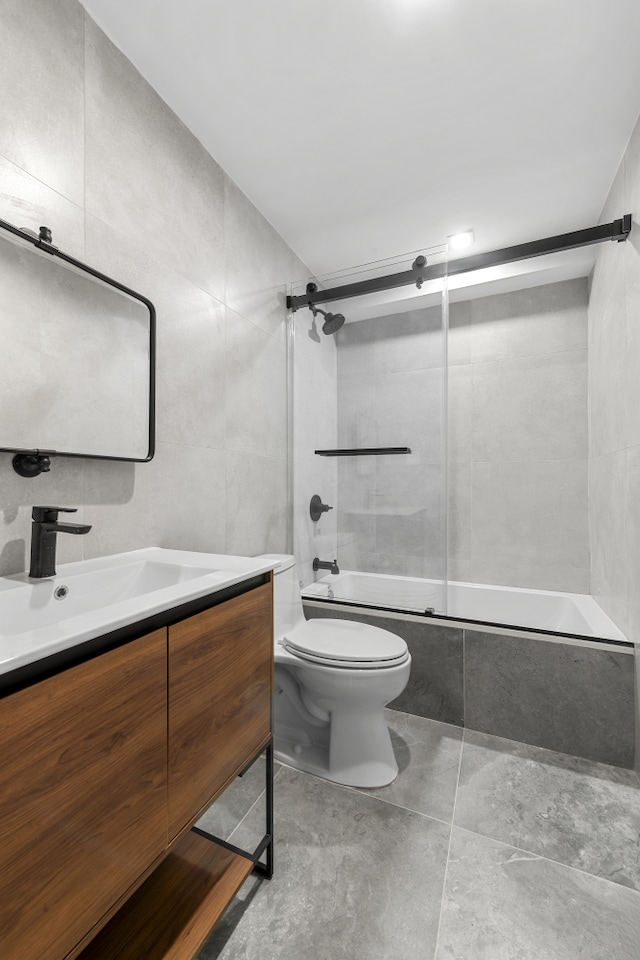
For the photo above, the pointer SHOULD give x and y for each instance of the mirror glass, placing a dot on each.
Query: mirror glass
(75, 363)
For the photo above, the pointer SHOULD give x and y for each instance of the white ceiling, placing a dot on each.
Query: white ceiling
(366, 128)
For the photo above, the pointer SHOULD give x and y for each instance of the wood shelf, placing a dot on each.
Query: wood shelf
(171, 915)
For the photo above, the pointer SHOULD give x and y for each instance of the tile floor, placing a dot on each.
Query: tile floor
(482, 849)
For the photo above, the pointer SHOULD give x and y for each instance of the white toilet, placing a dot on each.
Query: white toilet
(333, 679)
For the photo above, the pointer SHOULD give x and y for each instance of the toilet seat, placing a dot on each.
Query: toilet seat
(346, 643)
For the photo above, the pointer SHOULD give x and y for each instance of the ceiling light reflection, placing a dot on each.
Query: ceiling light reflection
(460, 241)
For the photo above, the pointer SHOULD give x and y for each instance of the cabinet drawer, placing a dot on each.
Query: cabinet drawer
(82, 795)
(220, 678)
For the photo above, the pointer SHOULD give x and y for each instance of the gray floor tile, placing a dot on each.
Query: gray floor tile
(428, 755)
(581, 813)
(503, 904)
(225, 814)
(355, 878)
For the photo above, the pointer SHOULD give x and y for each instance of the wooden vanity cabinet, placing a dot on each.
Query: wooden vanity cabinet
(82, 795)
(105, 765)
(220, 681)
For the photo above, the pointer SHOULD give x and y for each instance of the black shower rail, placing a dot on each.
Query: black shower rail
(420, 273)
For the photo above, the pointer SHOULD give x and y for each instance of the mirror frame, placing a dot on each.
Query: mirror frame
(44, 242)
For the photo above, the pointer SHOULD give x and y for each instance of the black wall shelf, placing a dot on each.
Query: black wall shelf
(362, 451)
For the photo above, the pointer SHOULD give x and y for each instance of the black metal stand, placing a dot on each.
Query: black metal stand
(266, 843)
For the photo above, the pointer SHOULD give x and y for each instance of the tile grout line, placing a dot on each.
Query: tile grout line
(465, 630)
(256, 801)
(362, 792)
(398, 806)
(177, 272)
(446, 867)
(606, 767)
(558, 863)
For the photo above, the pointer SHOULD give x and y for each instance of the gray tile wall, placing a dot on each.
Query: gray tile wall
(390, 393)
(614, 395)
(518, 439)
(94, 153)
(614, 421)
(573, 699)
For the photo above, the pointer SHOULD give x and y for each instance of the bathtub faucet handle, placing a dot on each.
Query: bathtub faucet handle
(317, 507)
(330, 565)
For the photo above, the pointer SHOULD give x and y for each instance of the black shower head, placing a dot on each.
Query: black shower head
(332, 321)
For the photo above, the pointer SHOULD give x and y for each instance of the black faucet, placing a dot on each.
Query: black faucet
(331, 565)
(44, 528)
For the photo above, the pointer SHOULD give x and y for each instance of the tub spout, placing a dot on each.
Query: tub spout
(330, 565)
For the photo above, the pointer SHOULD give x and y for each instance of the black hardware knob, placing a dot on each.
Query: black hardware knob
(317, 507)
(31, 464)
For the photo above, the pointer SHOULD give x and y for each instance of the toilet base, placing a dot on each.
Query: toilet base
(368, 761)
(331, 722)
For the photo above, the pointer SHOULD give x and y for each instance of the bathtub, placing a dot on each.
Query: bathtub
(536, 666)
(569, 614)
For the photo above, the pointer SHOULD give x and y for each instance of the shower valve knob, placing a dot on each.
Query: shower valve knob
(317, 507)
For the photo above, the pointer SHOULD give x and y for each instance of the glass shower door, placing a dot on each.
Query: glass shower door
(388, 455)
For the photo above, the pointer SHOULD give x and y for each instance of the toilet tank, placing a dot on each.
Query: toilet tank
(287, 603)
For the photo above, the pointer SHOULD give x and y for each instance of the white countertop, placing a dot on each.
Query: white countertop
(105, 594)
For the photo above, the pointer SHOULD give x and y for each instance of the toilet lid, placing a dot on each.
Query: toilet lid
(347, 643)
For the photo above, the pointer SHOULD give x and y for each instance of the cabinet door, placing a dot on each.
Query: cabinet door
(220, 678)
(82, 795)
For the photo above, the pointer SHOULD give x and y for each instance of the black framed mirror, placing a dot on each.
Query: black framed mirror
(77, 364)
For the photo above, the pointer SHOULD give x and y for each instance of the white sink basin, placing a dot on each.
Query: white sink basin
(92, 597)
